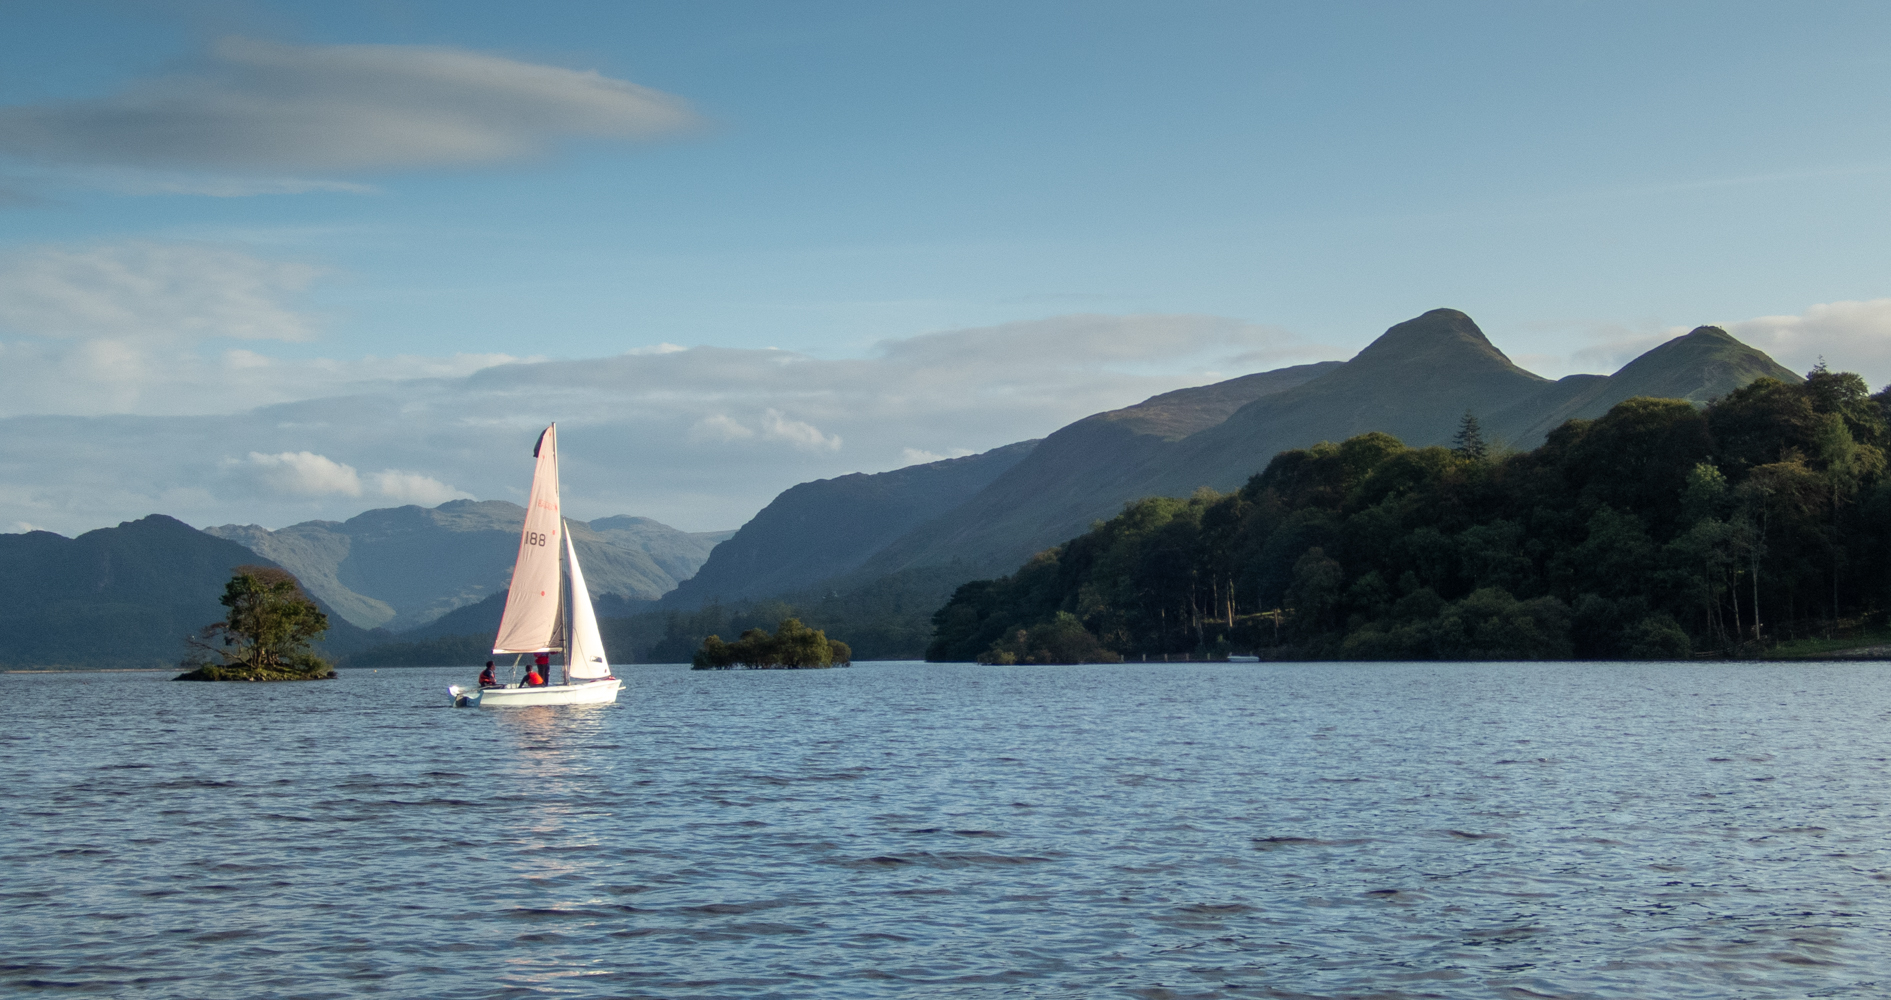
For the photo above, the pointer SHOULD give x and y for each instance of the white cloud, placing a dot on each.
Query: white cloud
(255, 107)
(800, 434)
(305, 474)
(719, 427)
(1851, 336)
(412, 487)
(920, 456)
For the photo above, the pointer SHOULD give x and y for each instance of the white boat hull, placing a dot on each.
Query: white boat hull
(599, 692)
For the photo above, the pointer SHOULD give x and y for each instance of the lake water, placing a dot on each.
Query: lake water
(1199, 830)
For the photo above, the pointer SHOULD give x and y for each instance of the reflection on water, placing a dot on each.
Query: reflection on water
(1193, 830)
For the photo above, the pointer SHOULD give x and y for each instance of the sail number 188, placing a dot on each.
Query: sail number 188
(536, 538)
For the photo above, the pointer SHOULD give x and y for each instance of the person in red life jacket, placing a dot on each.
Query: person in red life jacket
(542, 666)
(486, 679)
(533, 678)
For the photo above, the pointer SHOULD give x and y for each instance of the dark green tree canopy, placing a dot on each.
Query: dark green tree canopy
(265, 634)
(1658, 529)
(1469, 442)
(794, 646)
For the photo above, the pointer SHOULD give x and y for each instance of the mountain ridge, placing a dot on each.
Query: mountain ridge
(1133, 437)
(399, 568)
(1701, 365)
(822, 529)
(125, 596)
(1416, 382)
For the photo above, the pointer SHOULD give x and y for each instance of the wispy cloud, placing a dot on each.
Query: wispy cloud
(303, 474)
(797, 433)
(412, 487)
(152, 328)
(262, 117)
(1850, 335)
(1854, 336)
(169, 292)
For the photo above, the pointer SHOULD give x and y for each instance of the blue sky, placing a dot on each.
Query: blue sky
(243, 205)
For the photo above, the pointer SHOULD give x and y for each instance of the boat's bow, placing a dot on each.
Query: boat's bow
(464, 697)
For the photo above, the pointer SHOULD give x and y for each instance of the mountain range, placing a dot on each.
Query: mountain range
(399, 568)
(828, 527)
(124, 596)
(873, 553)
(1416, 382)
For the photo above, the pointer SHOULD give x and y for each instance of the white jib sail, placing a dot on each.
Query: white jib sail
(531, 622)
(586, 659)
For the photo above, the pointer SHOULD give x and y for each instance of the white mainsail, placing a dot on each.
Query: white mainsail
(532, 623)
(586, 659)
(534, 620)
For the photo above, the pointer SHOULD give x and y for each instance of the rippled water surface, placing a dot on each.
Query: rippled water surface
(1205, 830)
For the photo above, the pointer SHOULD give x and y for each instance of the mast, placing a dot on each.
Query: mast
(566, 602)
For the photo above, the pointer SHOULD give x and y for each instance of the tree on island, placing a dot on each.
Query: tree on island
(1063, 639)
(265, 636)
(794, 646)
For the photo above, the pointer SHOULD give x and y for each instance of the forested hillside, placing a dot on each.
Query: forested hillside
(1414, 382)
(1659, 530)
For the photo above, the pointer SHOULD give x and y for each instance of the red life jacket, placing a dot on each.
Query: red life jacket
(532, 678)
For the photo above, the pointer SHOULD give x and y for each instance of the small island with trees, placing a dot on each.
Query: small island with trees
(265, 636)
(794, 646)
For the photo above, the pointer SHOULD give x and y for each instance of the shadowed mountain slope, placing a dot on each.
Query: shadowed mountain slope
(819, 530)
(1415, 383)
(402, 567)
(124, 596)
(1079, 474)
(1704, 364)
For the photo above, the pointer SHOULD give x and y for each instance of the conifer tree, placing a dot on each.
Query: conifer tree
(1469, 442)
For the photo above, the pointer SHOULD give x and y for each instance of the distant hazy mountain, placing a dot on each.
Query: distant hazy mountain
(679, 553)
(401, 567)
(819, 530)
(122, 597)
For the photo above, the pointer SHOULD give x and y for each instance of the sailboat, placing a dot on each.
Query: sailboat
(548, 609)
